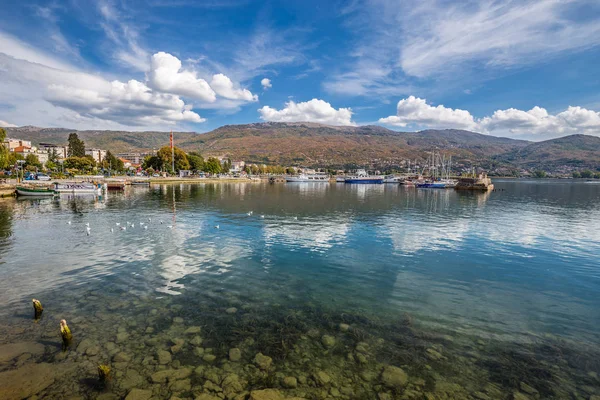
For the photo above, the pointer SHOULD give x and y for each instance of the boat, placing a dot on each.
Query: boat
(115, 184)
(140, 182)
(37, 192)
(362, 177)
(78, 188)
(392, 179)
(340, 179)
(480, 183)
(321, 178)
(437, 184)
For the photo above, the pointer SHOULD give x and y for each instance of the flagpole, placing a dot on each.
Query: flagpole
(172, 154)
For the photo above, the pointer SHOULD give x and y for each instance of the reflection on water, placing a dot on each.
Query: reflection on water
(472, 295)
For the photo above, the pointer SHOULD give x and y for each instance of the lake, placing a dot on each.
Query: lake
(315, 291)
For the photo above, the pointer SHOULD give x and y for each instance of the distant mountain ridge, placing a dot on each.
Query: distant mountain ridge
(312, 144)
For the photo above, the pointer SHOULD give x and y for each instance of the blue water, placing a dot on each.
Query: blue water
(482, 278)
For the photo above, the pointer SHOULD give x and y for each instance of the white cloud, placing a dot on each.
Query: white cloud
(20, 50)
(166, 75)
(535, 123)
(452, 42)
(314, 110)
(266, 83)
(224, 87)
(5, 124)
(414, 110)
(131, 103)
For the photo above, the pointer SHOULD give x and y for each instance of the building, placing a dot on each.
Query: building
(11, 143)
(60, 151)
(237, 166)
(97, 154)
(24, 151)
(135, 158)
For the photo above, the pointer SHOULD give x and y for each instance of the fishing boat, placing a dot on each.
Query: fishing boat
(322, 178)
(362, 177)
(37, 192)
(78, 188)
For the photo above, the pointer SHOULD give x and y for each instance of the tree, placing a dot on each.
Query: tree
(587, 174)
(196, 161)
(539, 174)
(154, 162)
(52, 156)
(181, 160)
(4, 153)
(76, 146)
(290, 171)
(31, 160)
(576, 175)
(212, 166)
(112, 163)
(80, 163)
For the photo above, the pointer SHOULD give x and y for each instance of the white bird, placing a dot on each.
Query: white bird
(161, 222)
(118, 224)
(112, 230)
(133, 225)
(295, 218)
(262, 216)
(216, 226)
(170, 226)
(145, 226)
(149, 219)
(69, 223)
(87, 230)
(87, 224)
(123, 228)
(128, 223)
(141, 223)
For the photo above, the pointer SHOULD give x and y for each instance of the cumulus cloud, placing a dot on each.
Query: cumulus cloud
(266, 83)
(224, 87)
(314, 110)
(166, 75)
(4, 124)
(537, 121)
(131, 103)
(414, 110)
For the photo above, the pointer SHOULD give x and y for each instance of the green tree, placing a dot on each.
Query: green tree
(587, 174)
(212, 166)
(4, 153)
(51, 165)
(181, 160)
(539, 174)
(154, 162)
(196, 161)
(85, 164)
(52, 156)
(226, 166)
(597, 175)
(113, 163)
(290, 171)
(31, 160)
(576, 175)
(76, 146)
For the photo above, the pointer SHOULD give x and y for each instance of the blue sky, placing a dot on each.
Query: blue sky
(524, 69)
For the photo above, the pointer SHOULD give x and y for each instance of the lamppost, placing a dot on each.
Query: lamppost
(20, 168)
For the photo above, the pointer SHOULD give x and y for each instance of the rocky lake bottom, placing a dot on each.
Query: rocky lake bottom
(275, 336)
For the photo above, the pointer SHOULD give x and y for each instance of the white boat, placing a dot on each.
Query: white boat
(392, 179)
(322, 178)
(340, 179)
(362, 177)
(78, 188)
(35, 192)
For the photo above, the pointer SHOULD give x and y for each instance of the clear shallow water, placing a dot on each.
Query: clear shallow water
(471, 294)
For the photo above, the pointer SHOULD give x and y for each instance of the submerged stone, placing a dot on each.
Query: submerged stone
(262, 361)
(192, 330)
(209, 358)
(26, 381)
(13, 350)
(231, 310)
(322, 378)
(344, 327)
(235, 354)
(206, 396)
(196, 341)
(139, 394)
(328, 341)
(266, 394)
(393, 376)
(164, 357)
(290, 382)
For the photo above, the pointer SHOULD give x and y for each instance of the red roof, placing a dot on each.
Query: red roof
(20, 149)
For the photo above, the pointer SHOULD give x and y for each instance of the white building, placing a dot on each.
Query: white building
(60, 151)
(11, 143)
(97, 154)
(237, 166)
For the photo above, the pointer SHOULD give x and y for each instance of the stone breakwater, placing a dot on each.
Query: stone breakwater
(211, 348)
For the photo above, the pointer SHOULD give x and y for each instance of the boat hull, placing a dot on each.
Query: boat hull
(35, 192)
(364, 180)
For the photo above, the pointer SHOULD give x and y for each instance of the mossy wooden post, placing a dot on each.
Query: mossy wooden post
(66, 334)
(103, 373)
(37, 309)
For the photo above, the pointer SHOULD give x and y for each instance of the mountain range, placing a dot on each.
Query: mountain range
(311, 144)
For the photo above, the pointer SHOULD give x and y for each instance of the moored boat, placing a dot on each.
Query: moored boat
(322, 178)
(362, 177)
(481, 182)
(392, 179)
(30, 191)
(78, 188)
